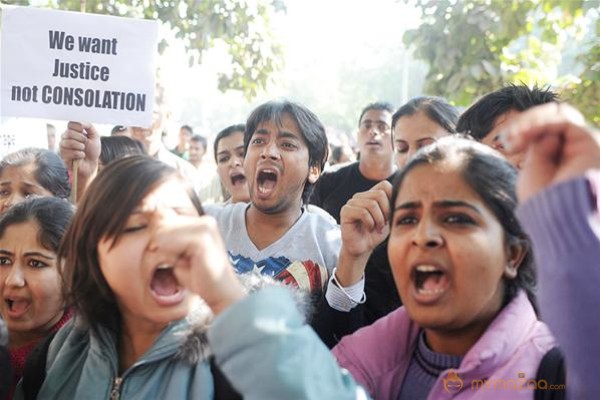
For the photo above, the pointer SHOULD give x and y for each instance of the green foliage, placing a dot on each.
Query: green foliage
(476, 46)
(244, 27)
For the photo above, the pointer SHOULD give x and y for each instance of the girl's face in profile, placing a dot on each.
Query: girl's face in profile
(447, 251)
(30, 284)
(143, 281)
(19, 183)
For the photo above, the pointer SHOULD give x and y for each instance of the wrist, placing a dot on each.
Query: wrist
(350, 267)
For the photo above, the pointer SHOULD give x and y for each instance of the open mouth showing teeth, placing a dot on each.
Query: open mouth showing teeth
(430, 280)
(238, 179)
(266, 181)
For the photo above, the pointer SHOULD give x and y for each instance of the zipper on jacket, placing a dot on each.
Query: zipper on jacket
(115, 391)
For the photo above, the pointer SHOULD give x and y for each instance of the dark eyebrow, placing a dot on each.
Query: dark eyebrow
(223, 152)
(412, 205)
(5, 252)
(288, 135)
(456, 203)
(261, 132)
(38, 254)
(425, 138)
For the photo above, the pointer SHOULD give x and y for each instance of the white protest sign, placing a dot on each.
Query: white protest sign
(79, 67)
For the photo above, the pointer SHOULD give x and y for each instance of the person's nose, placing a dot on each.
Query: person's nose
(270, 151)
(428, 235)
(15, 277)
(237, 161)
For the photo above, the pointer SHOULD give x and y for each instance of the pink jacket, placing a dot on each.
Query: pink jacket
(508, 355)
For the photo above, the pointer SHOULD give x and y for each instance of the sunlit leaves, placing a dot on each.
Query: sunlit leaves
(476, 46)
(243, 25)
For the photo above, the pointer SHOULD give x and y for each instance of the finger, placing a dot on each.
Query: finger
(75, 126)
(71, 144)
(386, 187)
(357, 216)
(374, 208)
(74, 136)
(70, 155)
(551, 118)
(381, 193)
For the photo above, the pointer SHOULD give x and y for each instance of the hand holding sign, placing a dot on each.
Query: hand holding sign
(81, 144)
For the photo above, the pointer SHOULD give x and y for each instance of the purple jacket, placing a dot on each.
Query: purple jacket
(564, 224)
(508, 355)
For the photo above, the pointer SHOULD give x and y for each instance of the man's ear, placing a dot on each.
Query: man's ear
(515, 253)
(313, 174)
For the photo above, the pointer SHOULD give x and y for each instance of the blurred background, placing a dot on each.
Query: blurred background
(220, 58)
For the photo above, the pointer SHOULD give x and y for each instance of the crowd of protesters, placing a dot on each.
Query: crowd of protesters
(456, 258)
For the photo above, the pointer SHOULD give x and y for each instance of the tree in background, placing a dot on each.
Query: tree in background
(244, 26)
(476, 46)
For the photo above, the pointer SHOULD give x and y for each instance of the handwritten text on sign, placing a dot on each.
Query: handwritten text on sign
(85, 74)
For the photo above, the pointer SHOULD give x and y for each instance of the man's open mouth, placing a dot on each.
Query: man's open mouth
(266, 181)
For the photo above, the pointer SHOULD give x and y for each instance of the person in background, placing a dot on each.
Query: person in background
(341, 155)
(376, 163)
(229, 156)
(51, 133)
(210, 190)
(488, 116)
(116, 147)
(32, 304)
(32, 172)
(419, 123)
(82, 142)
(120, 130)
(183, 145)
(197, 150)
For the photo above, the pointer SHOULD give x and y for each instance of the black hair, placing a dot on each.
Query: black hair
(493, 178)
(437, 109)
(117, 129)
(187, 128)
(115, 147)
(479, 119)
(310, 126)
(52, 214)
(201, 139)
(380, 105)
(50, 172)
(226, 133)
(125, 183)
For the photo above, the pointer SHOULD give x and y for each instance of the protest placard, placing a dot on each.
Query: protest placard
(74, 66)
